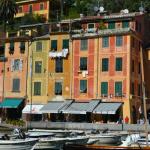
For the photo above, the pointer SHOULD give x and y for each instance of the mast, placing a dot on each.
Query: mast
(144, 97)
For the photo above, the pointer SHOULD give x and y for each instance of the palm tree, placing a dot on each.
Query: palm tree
(8, 9)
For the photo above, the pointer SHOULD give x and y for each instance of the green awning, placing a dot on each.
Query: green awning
(11, 102)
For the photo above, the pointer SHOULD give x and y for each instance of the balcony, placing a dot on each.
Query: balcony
(97, 32)
(59, 54)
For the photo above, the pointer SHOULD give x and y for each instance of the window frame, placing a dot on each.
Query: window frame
(16, 87)
(83, 91)
(120, 92)
(119, 40)
(104, 67)
(37, 88)
(38, 67)
(59, 65)
(104, 92)
(58, 91)
(118, 66)
(84, 65)
(84, 44)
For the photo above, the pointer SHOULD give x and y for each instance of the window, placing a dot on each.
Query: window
(38, 46)
(11, 46)
(132, 65)
(118, 88)
(84, 44)
(119, 64)
(83, 63)
(104, 88)
(16, 85)
(65, 43)
(38, 66)
(105, 62)
(132, 88)
(105, 42)
(125, 24)
(16, 65)
(54, 45)
(83, 86)
(30, 8)
(118, 40)
(22, 47)
(59, 65)
(111, 25)
(41, 6)
(90, 25)
(37, 88)
(58, 88)
(20, 9)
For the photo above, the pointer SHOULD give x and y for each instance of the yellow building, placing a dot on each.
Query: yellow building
(59, 64)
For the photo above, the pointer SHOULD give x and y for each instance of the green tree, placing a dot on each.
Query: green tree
(8, 9)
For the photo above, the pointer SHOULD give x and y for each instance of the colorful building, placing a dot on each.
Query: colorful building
(40, 7)
(107, 62)
(59, 62)
(15, 76)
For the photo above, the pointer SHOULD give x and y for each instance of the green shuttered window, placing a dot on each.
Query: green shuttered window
(105, 63)
(105, 42)
(39, 46)
(118, 88)
(65, 43)
(84, 44)
(119, 64)
(37, 88)
(83, 63)
(59, 65)
(54, 45)
(118, 41)
(104, 88)
(38, 66)
(16, 85)
(111, 25)
(125, 24)
(83, 86)
(58, 88)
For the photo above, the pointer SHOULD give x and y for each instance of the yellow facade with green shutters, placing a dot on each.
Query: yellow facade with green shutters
(38, 71)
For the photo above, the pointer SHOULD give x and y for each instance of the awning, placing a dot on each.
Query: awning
(11, 102)
(76, 108)
(107, 108)
(52, 107)
(32, 109)
(92, 105)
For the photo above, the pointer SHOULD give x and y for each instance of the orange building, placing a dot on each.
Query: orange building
(15, 79)
(107, 61)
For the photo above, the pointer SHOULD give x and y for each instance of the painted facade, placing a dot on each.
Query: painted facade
(59, 63)
(106, 60)
(38, 70)
(15, 82)
(40, 7)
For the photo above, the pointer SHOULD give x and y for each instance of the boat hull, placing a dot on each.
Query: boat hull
(17, 144)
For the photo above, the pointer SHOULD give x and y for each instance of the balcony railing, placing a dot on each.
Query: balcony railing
(95, 32)
(59, 54)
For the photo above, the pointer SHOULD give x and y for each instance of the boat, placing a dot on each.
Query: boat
(18, 144)
(109, 139)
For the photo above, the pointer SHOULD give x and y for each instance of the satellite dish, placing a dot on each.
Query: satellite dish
(126, 11)
(141, 9)
(96, 9)
(101, 9)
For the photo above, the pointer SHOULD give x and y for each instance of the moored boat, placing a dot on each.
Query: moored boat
(18, 144)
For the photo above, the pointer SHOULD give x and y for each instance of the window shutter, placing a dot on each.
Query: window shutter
(12, 65)
(65, 43)
(54, 45)
(21, 65)
(104, 88)
(118, 88)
